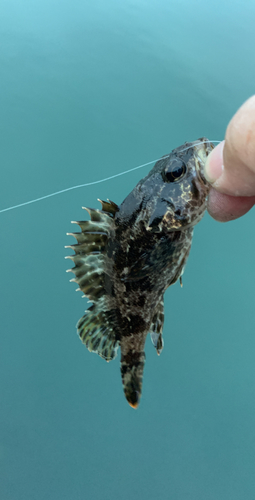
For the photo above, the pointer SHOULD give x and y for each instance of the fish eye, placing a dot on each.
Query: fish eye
(175, 171)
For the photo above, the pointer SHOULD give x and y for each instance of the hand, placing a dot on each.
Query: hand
(233, 185)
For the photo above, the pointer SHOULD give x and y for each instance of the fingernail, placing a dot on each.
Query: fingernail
(214, 164)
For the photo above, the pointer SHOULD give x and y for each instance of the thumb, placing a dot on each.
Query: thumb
(230, 167)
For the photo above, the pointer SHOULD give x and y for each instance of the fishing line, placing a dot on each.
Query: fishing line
(92, 183)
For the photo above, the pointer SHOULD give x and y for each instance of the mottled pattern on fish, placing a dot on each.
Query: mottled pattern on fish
(127, 256)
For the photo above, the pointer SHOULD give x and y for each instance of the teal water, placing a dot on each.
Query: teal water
(89, 89)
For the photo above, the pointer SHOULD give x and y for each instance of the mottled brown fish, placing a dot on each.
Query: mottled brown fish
(127, 256)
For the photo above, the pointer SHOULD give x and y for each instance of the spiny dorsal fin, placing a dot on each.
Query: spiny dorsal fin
(156, 328)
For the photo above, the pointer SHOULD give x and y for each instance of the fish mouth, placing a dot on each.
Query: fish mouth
(200, 172)
(203, 148)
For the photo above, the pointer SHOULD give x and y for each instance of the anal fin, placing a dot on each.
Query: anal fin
(156, 328)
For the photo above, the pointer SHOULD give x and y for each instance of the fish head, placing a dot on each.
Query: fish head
(175, 191)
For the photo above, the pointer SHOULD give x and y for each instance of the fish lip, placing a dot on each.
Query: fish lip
(201, 176)
(199, 172)
(200, 161)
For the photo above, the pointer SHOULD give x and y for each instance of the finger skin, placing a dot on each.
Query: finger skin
(238, 178)
(224, 208)
(234, 184)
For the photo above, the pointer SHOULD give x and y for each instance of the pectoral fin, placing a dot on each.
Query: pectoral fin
(92, 272)
(89, 258)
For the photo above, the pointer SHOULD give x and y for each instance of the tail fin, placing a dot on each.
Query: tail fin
(132, 365)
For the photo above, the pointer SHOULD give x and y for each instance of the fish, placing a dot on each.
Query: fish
(126, 256)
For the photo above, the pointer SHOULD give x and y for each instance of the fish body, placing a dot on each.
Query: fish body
(126, 257)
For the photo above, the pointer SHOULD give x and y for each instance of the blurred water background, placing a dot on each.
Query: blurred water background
(89, 89)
